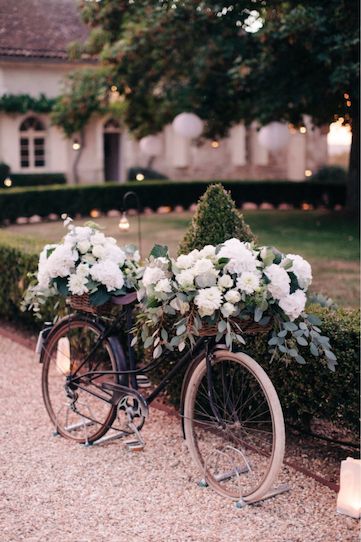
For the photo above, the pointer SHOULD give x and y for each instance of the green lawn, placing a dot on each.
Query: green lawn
(328, 240)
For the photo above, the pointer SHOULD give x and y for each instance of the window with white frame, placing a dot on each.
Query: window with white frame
(32, 143)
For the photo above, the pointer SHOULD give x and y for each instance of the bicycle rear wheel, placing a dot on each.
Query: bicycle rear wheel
(82, 416)
(241, 454)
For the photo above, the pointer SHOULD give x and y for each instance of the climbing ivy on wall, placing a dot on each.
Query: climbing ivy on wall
(22, 103)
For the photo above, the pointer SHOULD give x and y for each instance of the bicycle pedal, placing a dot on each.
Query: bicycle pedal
(134, 445)
(143, 381)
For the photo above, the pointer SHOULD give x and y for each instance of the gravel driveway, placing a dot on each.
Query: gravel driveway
(54, 490)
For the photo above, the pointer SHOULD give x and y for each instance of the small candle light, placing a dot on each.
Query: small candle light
(139, 177)
(124, 223)
(308, 172)
(8, 182)
(303, 129)
(95, 213)
(349, 497)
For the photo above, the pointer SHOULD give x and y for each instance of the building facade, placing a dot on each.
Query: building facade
(34, 36)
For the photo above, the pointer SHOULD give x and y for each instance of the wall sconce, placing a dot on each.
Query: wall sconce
(349, 497)
(124, 222)
(8, 182)
(76, 145)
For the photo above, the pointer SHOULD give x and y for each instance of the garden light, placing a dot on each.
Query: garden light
(76, 145)
(8, 182)
(188, 125)
(114, 88)
(124, 222)
(95, 213)
(308, 172)
(139, 177)
(274, 136)
(215, 144)
(349, 497)
(303, 129)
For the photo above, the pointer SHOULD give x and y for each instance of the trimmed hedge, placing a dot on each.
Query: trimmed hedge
(82, 199)
(36, 179)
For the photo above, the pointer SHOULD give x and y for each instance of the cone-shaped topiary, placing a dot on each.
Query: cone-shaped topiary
(215, 221)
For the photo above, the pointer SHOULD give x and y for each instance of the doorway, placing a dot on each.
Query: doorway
(112, 150)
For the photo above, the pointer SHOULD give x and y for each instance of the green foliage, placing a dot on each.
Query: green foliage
(215, 221)
(330, 174)
(34, 179)
(22, 103)
(82, 199)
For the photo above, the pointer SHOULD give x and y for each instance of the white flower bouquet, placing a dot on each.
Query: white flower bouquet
(227, 288)
(85, 262)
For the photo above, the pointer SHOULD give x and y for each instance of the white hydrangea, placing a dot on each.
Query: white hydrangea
(293, 304)
(83, 246)
(248, 282)
(302, 269)
(232, 296)
(61, 261)
(224, 282)
(43, 276)
(163, 286)
(240, 256)
(98, 238)
(280, 281)
(114, 254)
(82, 233)
(208, 300)
(184, 261)
(77, 284)
(228, 309)
(185, 280)
(152, 275)
(179, 305)
(109, 274)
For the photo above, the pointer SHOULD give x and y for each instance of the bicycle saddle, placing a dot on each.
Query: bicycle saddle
(124, 299)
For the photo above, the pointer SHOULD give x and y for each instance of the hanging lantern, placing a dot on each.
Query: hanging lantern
(349, 497)
(188, 125)
(274, 136)
(151, 145)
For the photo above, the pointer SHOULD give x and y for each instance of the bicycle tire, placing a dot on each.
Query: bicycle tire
(68, 343)
(230, 456)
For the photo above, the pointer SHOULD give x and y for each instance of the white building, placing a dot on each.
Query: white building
(34, 35)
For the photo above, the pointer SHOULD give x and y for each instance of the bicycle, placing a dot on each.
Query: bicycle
(231, 415)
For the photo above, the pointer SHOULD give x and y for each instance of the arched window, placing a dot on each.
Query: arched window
(32, 143)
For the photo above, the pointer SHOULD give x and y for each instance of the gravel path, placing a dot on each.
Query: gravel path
(54, 490)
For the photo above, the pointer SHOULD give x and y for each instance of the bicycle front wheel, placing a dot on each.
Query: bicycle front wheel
(237, 440)
(82, 412)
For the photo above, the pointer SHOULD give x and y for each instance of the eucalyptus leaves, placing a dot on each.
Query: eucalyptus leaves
(228, 287)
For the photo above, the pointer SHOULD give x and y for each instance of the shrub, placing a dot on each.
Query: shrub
(37, 179)
(215, 221)
(330, 175)
(4, 172)
(82, 199)
(149, 174)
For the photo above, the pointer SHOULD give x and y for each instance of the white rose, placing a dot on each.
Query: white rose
(184, 261)
(232, 296)
(185, 280)
(302, 269)
(241, 257)
(83, 246)
(228, 309)
(225, 281)
(82, 270)
(248, 282)
(179, 305)
(152, 275)
(163, 286)
(208, 251)
(280, 281)
(293, 304)
(82, 233)
(97, 238)
(208, 300)
(201, 266)
(98, 251)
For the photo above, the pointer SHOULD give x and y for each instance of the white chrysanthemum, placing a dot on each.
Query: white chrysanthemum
(293, 304)
(179, 305)
(225, 281)
(83, 246)
(184, 261)
(302, 269)
(61, 261)
(232, 296)
(280, 281)
(152, 275)
(109, 274)
(185, 279)
(208, 300)
(248, 282)
(208, 251)
(228, 309)
(201, 266)
(77, 284)
(163, 286)
(83, 270)
(240, 256)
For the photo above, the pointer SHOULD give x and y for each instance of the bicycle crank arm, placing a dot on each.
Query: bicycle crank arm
(120, 391)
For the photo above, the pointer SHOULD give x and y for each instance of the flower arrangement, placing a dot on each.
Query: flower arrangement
(228, 287)
(85, 262)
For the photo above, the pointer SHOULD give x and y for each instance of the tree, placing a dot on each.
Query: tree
(168, 56)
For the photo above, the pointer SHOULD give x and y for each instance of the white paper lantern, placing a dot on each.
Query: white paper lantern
(274, 136)
(151, 145)
(349, 497)
(188, 125)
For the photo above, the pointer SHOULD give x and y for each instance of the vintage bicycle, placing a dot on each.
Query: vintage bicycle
(230, 412)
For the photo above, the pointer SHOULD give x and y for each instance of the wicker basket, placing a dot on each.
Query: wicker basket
(248, 327)
(82, 303)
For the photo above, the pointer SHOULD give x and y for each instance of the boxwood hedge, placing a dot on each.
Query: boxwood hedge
(20, 202)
